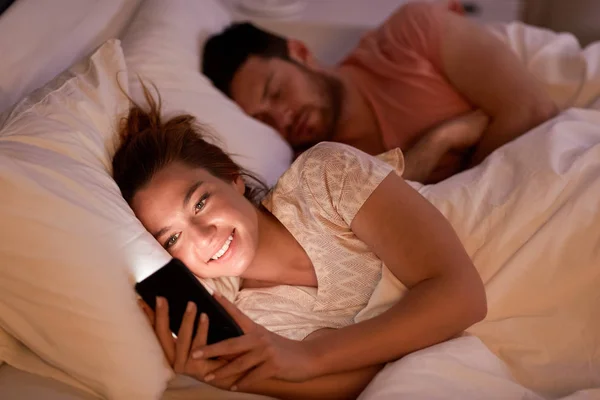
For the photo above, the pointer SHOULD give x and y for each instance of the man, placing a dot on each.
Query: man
(413, 83)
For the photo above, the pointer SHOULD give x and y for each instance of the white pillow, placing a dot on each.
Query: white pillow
(164, 45)
(40, 39)
(68, 238)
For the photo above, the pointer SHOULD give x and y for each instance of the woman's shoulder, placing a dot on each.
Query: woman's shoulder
(330, 162)
(327, 158)
(311, 172)
(331, 178)
(309, 161)
(325, 155)
(325, 148)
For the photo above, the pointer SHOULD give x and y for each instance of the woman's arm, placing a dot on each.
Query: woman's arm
(492, 78)
(340, 386)
(419, 246)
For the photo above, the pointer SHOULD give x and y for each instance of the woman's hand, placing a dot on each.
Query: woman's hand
(177, 351)
(261, 354)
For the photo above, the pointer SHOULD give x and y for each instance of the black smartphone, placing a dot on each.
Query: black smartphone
(176, 283)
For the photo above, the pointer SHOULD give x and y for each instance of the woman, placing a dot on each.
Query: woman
(308, 258)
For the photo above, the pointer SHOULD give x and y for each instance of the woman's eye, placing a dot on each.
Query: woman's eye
(200, 204)
(172, 240)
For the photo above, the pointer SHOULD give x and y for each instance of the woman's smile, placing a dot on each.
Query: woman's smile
(225, 252)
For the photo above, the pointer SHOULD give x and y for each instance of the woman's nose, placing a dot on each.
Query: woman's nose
(202, 236)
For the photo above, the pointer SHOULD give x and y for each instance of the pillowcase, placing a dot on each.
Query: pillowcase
(68, 239)
(39, 40)
(163, 45)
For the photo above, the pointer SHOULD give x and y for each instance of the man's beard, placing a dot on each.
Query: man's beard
(331, 92)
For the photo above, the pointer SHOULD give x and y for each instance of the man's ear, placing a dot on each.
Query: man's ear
(300, 53)
(239, 185)
(456, 6)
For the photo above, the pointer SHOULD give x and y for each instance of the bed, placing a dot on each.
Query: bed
(543, 351)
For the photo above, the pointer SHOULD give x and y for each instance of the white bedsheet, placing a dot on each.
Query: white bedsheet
(462, 368)
(570, 74)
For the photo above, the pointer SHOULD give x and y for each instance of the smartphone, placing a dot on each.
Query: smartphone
(178, 285)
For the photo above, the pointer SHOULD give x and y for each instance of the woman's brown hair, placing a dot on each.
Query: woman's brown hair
(148, 144)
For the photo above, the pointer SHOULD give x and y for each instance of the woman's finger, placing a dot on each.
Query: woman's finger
(202, 333)
(147, 311)
(237, 345)
(184, 338)
(244, 363)
(242, 320)
(163, 332)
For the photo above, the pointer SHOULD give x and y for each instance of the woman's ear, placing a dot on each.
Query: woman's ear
(300, 53)
(239, 185)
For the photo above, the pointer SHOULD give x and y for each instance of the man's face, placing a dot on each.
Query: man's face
(301, 104)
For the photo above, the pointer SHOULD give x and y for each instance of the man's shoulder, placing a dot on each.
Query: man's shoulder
(408, 25)
(413, 21)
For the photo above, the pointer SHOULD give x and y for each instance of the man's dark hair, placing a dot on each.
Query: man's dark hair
(224, 53)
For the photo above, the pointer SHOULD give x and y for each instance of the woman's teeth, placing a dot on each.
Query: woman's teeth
(224, 249)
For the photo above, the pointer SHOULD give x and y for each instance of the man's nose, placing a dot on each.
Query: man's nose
(283, 117)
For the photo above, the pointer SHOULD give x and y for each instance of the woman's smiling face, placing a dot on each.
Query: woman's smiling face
(204, 221)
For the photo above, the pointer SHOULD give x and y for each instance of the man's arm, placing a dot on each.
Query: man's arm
(422, 161)
(423, 157)
(494, 80)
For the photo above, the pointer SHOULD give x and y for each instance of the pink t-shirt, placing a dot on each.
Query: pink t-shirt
(398, 68)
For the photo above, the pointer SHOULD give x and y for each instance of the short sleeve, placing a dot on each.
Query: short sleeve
(340, 178)
(416, 29)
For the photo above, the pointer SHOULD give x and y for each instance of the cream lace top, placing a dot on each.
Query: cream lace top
(316, 200)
